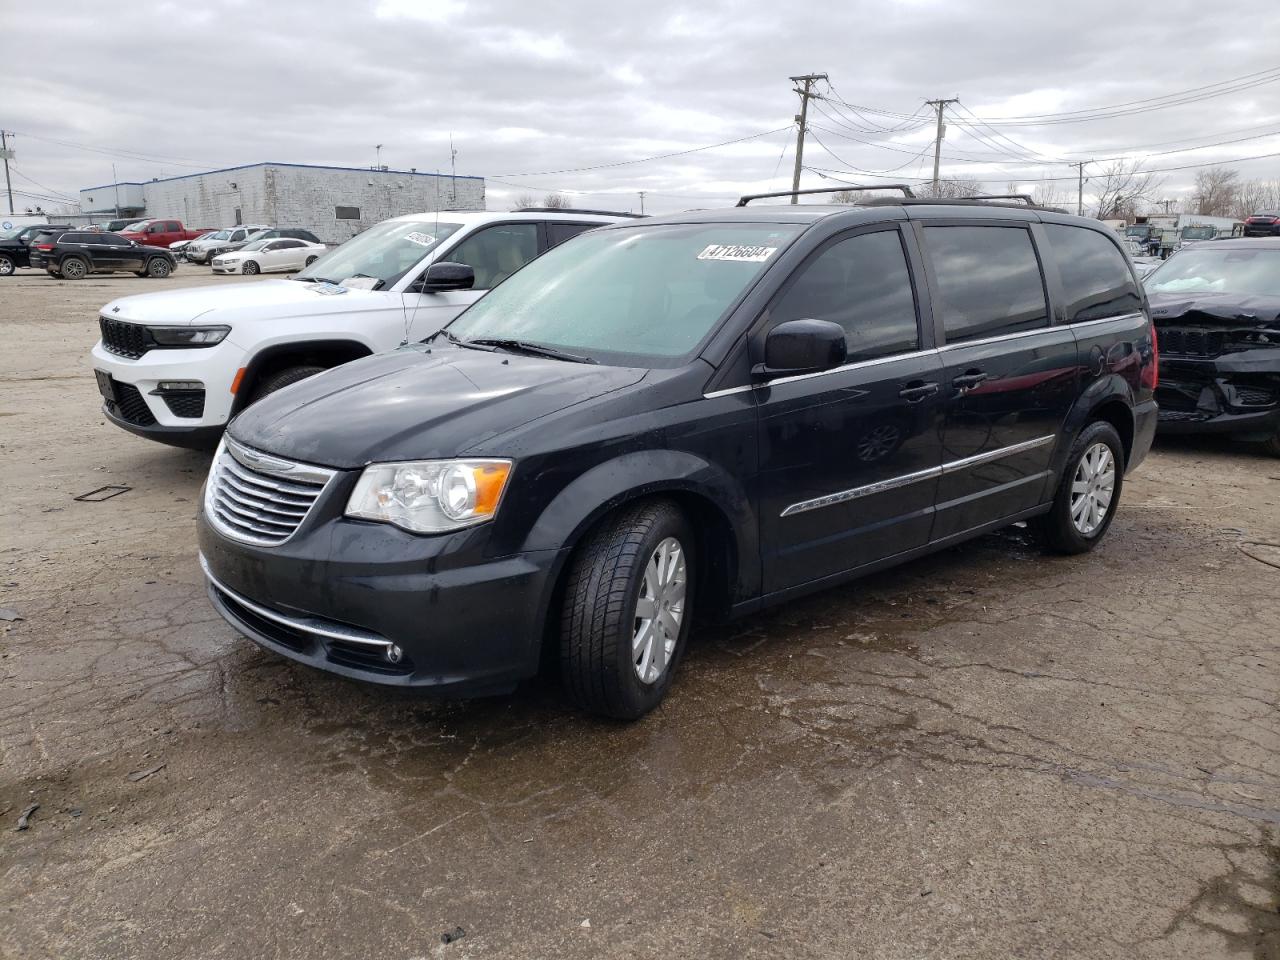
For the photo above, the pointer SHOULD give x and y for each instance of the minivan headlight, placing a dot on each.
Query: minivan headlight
(430, 496)
(188, 336)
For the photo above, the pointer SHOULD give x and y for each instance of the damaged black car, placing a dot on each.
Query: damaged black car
(1216, 309)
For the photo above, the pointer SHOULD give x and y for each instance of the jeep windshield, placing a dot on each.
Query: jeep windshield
(1197, 270)
(217, 235)
(634, 296)
(384, 252)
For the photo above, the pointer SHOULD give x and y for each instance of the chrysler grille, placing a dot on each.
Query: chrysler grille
(260, 498)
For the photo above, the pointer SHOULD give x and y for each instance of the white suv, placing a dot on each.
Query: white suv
(175, 366)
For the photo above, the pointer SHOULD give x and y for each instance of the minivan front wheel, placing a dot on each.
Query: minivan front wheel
(627, 610)
(1088, 493)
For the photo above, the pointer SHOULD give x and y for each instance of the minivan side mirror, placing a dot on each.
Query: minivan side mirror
(447, 275)
(802, 346)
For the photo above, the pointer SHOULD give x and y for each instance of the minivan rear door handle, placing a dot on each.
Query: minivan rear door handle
(917, 390)
(970, 379)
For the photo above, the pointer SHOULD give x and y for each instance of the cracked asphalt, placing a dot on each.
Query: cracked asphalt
(988, 753)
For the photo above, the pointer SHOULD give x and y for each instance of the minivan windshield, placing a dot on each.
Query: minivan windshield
(633, 296)
(1200, 270)
(386, 252)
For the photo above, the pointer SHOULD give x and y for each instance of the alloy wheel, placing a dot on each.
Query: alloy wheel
(659, 610)
(1092, 488)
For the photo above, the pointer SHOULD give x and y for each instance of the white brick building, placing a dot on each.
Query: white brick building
(334, 203)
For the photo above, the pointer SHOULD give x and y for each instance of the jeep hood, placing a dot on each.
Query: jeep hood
(266, 299)
(418, 404)
(1226, 310)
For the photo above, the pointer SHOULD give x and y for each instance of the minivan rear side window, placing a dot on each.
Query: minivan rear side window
(863, 284)
(988, 279)
(1095, 278)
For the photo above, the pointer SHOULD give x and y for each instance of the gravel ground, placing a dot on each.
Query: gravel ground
(988, 753)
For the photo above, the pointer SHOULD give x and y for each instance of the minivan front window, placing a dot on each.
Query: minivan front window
(634, 296)
(385, 252)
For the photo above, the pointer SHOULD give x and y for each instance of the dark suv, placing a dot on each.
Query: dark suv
(77, 254)
(15, 245)
(698, 414)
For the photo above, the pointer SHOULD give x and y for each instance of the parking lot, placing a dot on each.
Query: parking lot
(987, 753)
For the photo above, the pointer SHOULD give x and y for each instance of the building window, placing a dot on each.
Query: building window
(347, 213)
(238, 220)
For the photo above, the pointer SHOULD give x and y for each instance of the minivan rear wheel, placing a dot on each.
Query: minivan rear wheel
(1088, 493)
(627, 610)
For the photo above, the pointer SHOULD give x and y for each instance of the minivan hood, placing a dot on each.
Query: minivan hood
(418, 403)
(1214, 309)
(248, 301)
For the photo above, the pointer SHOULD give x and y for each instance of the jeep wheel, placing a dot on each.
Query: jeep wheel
(282, 379)
(1088, 493)
(6, 266)
(74, 268)
(158, 268)
(250, 268)
(627, 610)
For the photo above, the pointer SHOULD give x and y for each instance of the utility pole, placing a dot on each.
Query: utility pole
(453, 174)
(940, 106)
(801, 118)
(642, 203)
(1079, 165)
(115, 183)
(4, 152)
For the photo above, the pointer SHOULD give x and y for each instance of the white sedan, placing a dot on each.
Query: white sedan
(267, 256)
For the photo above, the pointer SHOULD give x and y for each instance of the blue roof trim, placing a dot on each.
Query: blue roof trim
(108, 186)
(303, 166)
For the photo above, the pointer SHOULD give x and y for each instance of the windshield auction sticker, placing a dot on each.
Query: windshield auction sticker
(422, 239)
(740, 252)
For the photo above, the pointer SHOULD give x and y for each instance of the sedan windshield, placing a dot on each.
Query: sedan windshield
(255, 245)
(643, 295)
(384, 252)
(1201, 270)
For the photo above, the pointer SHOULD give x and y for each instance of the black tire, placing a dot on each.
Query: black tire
(7, 266)
(599, 621)
(310, 261)
(1272, 445)
(1056, 529)
(283, 378)
(74, 268)
(251, 268)
(140, 273)
(158, 268)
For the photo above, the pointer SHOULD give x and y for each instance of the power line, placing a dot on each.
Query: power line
(660, 156)
(68, 197)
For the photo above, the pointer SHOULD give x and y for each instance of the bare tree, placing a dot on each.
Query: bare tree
(1255, 196)
(525, 200)
(955, 189)
(1216, 191)
(556, 201)
(1121, 188)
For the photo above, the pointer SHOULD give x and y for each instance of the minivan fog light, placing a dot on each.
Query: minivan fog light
(430, 496)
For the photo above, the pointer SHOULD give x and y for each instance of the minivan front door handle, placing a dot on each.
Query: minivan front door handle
(917, 390)
(970, 379)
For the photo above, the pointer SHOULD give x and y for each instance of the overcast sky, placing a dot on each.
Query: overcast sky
(162, 89)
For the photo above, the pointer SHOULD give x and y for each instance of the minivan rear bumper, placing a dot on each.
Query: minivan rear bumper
(463, 629)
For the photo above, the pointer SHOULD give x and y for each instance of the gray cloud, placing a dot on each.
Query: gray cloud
(172, 88)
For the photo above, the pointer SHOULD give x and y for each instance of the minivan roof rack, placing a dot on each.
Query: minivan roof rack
(743, 201)
(1024, 197)
(597, 213)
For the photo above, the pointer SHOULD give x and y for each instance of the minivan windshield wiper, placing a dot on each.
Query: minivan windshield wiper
(524, 346)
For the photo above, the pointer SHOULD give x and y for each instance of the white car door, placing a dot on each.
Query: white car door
(275, 256)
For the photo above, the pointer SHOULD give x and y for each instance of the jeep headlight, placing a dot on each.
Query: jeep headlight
(188, 336)
(430, 496)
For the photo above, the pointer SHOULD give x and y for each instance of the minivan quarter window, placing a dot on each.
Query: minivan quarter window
(1096, 280)
(988, 281)
(862, 283)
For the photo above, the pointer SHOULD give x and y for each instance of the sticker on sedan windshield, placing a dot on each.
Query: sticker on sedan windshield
(740, 252)
(422, 239)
